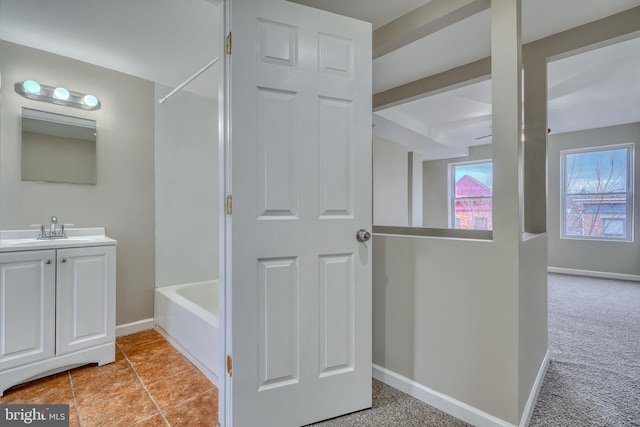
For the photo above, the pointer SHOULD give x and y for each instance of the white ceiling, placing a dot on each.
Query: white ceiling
(166, 41)
(378, 12)
(595, 89)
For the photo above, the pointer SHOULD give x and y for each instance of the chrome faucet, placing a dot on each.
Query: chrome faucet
(52, 226)
(54, 232)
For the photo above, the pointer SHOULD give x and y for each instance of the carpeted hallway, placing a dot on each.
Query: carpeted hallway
(594, 340)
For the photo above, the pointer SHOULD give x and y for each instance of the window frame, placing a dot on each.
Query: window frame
(629, 215)
(451, 190)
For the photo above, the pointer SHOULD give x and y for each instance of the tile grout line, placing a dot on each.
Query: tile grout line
(162, 413)
(145, 390)
(75, 402)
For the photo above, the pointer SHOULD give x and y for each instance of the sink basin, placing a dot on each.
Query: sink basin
(12, 240)
(48, 242)
(18, 242)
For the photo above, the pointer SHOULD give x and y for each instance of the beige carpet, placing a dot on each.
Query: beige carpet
(594, 341)
(392, 408)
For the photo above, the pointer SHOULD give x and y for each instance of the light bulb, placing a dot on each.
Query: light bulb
(61, 93)
(90, 100)
(31, 86)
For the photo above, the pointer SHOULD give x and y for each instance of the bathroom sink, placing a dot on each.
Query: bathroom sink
(47, 242)
(27, 240)
(18, 242)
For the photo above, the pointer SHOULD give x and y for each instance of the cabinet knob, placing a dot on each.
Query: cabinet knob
(63, 260)
(47, 261)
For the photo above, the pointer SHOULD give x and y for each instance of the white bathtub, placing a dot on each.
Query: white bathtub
(187, 315)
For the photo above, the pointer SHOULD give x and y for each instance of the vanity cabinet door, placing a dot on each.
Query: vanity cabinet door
(85, 298)
(27, 307)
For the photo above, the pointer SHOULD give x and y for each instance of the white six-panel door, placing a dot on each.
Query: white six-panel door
(298, 303)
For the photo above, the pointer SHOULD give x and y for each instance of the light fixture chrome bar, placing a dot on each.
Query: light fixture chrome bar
(56, 95)
(189, 80)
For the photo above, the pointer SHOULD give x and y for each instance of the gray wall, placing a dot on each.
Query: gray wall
(390, 183)
(449, 314)
(436, 175)
(415, 189)
(443, 315)
(187, 199)
(591, 255)
(123, 198)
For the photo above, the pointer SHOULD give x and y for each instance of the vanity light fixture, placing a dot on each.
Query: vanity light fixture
(57, 95)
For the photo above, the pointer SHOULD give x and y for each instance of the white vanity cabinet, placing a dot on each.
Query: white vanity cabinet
(27, 307)
(57, 307)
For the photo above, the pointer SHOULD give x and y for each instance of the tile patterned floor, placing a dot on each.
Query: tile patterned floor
(149, 385)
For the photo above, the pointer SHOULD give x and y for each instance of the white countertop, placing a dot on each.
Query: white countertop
(27, 240)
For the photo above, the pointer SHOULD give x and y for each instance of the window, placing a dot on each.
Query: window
(471, 187)
(597, 193)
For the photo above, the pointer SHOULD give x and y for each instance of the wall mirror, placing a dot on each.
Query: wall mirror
(58, 148)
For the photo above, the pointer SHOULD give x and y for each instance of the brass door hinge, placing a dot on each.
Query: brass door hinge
(229, 44)
(229, 205)
(229, 365)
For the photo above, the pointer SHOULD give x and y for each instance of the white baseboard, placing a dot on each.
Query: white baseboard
(535, 390)
(599, 274)
(133, 327)
(438, 400)
(455, 407)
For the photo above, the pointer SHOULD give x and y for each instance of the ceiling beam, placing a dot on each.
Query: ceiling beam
(602, 32)
(456, 77)
(622, 25)
(425, 20)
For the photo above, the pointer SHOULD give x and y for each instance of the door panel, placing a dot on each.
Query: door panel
(299, 287)
(85, 298)
(277, 159)
(27, 307)
(337, 311)
(278, 317)
(336, 157)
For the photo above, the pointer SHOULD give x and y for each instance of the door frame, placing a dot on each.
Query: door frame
(224, 194)
(224, 223)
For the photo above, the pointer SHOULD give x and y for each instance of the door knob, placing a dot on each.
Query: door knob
(63, 260)
(363, 235)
